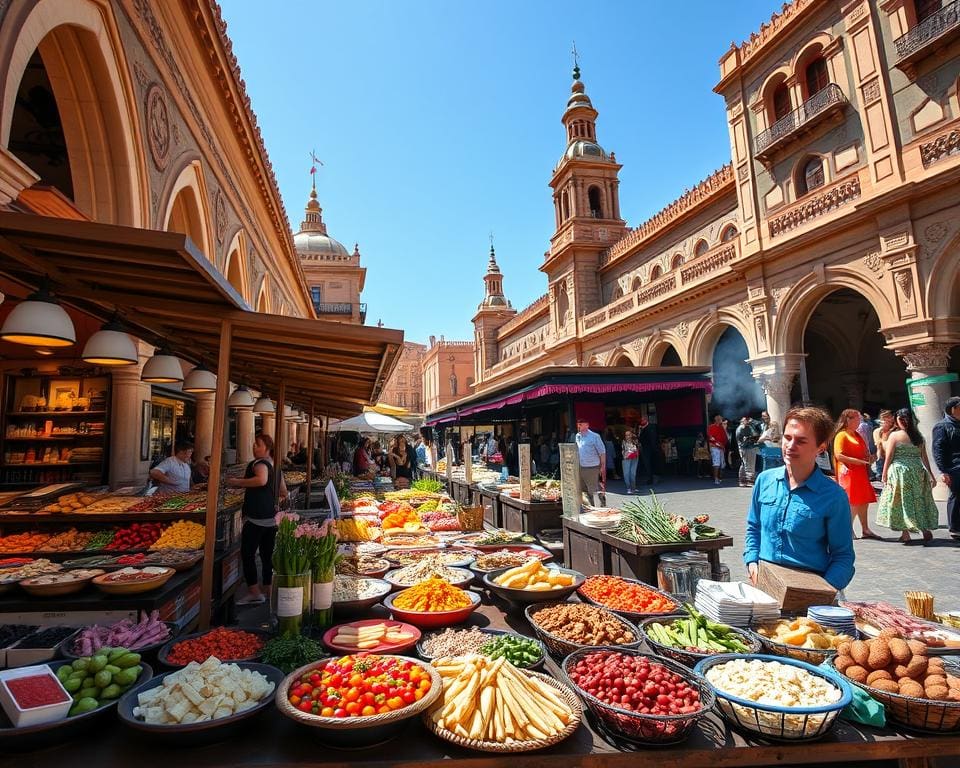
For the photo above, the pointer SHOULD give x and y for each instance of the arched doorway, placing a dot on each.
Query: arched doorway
(622, 361)
(664, 355)
(66, 111)
(736, 392)
(846, 363)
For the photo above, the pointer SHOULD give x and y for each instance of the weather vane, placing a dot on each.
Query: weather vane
(576, 61)
(313, 168)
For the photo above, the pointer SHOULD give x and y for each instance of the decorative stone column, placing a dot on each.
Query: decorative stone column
(924, 361)
(245, 435)
(126, 427)
(204, 430)
(777, 387)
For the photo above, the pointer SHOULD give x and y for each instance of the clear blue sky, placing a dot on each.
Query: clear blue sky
(439, 122)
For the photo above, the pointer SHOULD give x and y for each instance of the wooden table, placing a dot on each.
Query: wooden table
(492, 508)
(463, 492)
(273, 741)
(593, 551)
(529, 516)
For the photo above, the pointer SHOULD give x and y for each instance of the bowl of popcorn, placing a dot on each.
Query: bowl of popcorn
(777, 698)
(200, 703)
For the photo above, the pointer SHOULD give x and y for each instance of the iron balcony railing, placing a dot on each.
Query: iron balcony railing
(932, 29)
(326, 308)
(820, 104)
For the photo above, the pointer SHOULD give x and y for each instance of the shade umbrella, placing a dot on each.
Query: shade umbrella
(370, 423)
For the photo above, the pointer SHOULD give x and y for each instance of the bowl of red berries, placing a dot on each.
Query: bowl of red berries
(358, 700)
(638, 697)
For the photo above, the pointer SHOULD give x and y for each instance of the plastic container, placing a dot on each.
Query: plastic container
(47, 713)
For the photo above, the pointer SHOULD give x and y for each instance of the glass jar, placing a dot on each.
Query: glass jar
(722, 573)
(673, 576)
(700, 567)
(290, 600)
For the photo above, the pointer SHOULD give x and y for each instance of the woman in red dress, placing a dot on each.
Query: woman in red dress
(851, 462)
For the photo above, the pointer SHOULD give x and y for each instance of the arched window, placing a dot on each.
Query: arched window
(635, 285)
(700, 248)
(728, 234)
(596, 204)
(677, 261)
(816, 77)
(564, 205)
(781, 102)
(811, 176)
(656, 272)
(617, 293)
(926, 8)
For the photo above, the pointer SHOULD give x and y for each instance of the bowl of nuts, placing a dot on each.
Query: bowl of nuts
(565, 627)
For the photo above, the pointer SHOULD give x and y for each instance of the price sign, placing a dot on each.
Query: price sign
(467, 462)
(524, 450)
(570, 479)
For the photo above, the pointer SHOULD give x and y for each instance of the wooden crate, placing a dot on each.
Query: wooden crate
(795, 589)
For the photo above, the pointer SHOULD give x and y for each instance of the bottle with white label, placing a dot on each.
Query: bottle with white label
(290, 600)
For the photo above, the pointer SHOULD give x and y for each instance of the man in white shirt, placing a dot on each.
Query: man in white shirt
(174, 472)
(593, 460)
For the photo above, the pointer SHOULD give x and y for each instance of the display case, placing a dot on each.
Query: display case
(55, 429)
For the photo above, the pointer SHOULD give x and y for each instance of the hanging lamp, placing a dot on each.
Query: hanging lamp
(39, 321)
(111, 345)
(264, 405)
(201, 380)
(240, 398)
(162, 368)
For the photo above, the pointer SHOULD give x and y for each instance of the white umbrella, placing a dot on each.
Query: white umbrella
(371, 422)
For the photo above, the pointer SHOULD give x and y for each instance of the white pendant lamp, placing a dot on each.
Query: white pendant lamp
(288, 412)
(39, 321)
(162, 368)
(200, 380)
(111, 345)
(240, 398)
(264, 405)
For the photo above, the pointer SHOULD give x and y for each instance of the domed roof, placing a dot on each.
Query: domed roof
(318, 242)
(584, 149)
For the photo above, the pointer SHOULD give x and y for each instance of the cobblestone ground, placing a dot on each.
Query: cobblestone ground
(884, 568)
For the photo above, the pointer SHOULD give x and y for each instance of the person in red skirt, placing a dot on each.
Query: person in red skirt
(851, 465)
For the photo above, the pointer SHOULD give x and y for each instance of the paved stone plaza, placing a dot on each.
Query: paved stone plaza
(884, 568)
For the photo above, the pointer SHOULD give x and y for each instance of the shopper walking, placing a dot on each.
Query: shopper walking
(259, 532)
(593, 460)
(906, 503)
(946, 455)
(747, 444)
(851, 461)
(769, 442)
(717, 438)
(887, 425)
(631, 452)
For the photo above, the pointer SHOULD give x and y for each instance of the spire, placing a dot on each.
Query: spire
(492, 267)
(493, 283)
(313, 214)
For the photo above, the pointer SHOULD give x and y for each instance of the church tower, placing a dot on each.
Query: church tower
(586, 199)
(494, 311)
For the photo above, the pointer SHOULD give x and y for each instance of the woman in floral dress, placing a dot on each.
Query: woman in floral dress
(906, 503)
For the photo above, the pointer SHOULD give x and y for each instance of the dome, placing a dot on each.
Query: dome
(318, 242)
(581, 149)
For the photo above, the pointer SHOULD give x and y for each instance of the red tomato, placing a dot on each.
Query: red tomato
(408, 697)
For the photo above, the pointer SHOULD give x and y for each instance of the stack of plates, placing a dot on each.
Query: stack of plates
(735, 603)
(840, 620)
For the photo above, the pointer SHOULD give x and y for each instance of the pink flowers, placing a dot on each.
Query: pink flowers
(281, 516)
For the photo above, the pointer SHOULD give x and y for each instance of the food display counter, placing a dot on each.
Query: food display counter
(529, 516)
(491, 501)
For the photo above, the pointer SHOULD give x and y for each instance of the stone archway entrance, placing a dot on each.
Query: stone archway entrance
(846, 364)
(736, 392)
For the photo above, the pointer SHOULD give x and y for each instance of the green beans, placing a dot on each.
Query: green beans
(519, 651)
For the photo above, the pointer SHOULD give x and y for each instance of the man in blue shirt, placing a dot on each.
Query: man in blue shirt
(799, 517)
(593, 459)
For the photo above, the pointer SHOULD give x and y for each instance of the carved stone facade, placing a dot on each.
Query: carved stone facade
(404, 388)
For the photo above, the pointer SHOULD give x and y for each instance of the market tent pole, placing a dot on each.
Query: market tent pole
(277, 434)
(213, 483)
(310, 455)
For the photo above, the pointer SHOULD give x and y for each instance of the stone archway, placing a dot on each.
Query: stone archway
(235, 268)
(736, 392)
(263, 298)
(186, 212)
(664, 354)
(73, 51)
(620, 359)
(846, 364)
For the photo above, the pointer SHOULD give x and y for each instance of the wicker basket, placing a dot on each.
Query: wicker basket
(569, 698)
(815, 656)
(774, 722)
(470, 518)
(692, 658)
(560, 647)
(923, 715)
(633, 615)
(647, 729)
(356, 723)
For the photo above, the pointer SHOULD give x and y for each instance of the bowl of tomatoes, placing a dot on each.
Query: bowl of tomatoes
(358, 700)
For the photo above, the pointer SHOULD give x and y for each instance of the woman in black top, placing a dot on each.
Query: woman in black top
(259, 524)
(399, 459)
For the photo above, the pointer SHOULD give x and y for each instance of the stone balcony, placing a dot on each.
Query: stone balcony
(792, 126)
(927, 37)
(695, 272)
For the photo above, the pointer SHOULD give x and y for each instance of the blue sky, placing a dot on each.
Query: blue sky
(439, 122)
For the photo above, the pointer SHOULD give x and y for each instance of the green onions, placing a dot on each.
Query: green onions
(646, 523)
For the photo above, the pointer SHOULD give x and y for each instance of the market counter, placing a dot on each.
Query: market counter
(275, 741)
(529, 516)
(490, 500)
(593, 551)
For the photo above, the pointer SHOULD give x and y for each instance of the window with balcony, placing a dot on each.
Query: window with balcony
(729, 233)
(635, 285)
(678, 260)
(926, 9)
(617, 293)
(316, 293)
(816, 76)
(595, 198)
(781, 102)
(811, 176)
(656, 272)
(700, 248)
(937, 24)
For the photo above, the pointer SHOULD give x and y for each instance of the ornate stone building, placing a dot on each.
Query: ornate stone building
(448, 372)
(333, 274)
(826, 249)
(404, 388)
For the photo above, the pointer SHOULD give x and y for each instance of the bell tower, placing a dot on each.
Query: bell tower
(493, 312)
